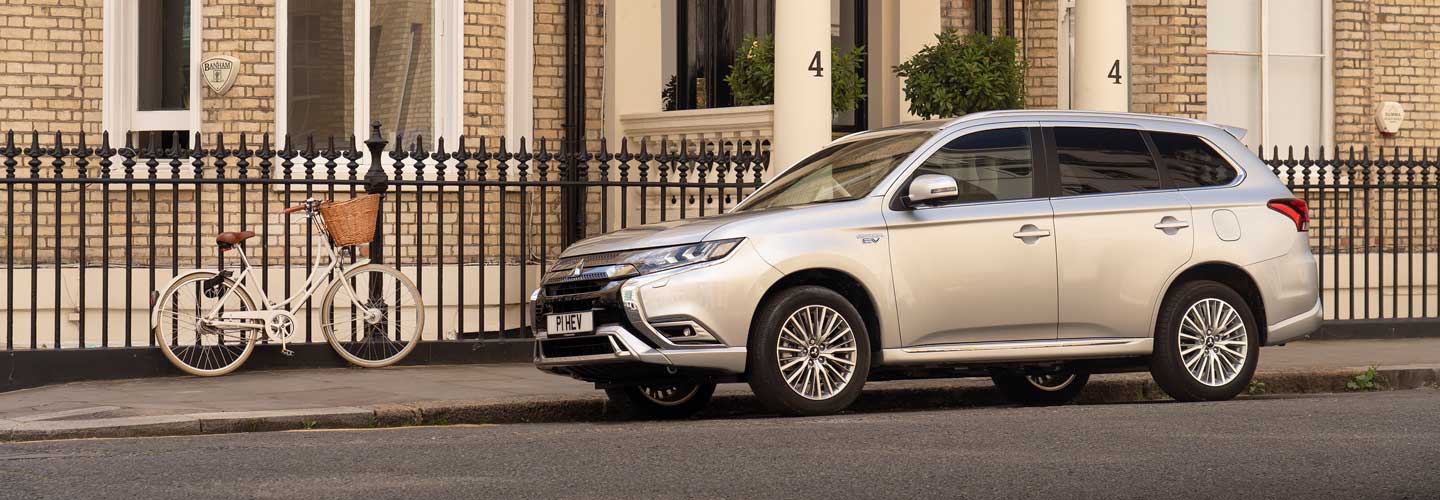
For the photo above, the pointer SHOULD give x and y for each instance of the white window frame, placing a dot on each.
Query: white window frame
(448, 66)
(120, 90)
(1327, 57)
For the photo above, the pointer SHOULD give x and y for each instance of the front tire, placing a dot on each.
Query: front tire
(389, 325)
(1042, 390)
(809, 353)
(661, 402)
(1207, 343)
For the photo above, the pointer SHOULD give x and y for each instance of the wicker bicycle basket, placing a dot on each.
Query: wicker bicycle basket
(351, 222)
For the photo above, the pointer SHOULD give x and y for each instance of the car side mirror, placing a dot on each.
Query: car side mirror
(931, 189)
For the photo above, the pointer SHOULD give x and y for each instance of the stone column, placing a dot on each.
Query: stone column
(802, 94)
(1102, 56)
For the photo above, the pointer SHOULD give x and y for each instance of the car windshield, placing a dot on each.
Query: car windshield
(841, 172)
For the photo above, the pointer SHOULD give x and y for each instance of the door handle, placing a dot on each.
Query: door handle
(1030, 231)
(1169, 223)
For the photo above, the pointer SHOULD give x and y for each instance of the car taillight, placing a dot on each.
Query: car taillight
(1295, 209)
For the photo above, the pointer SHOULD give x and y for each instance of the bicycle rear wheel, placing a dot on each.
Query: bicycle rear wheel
(193, 347)
(374, 316)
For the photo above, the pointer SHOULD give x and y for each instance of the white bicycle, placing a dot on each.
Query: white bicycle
(207, 321)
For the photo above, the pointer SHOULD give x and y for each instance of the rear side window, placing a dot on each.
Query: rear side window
(1191, 162)
(1103, 160)
(990, 165)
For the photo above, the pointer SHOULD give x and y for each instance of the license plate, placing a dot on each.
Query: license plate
(570, 323)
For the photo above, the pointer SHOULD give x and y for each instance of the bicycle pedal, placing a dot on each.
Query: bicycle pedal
(287, 352)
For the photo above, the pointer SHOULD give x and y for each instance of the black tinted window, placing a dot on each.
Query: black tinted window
(1191, 162)
(1103, 160)
(987, 166)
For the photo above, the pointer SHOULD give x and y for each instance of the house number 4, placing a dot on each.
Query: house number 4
(1114, 73)
(815, 65)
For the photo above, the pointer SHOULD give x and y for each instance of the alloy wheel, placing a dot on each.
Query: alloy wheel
(1213, 342)
(816, 352)
(1051, 381)
(669, 395)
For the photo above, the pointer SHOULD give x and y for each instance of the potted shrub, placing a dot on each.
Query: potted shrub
(963, 75)
(752, 77)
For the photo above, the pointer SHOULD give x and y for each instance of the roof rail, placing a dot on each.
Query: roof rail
(1040, 113)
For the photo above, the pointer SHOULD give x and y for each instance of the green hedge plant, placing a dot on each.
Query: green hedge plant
(752, 77)
(959, 75)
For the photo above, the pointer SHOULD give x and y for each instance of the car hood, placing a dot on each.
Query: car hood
(660, 234)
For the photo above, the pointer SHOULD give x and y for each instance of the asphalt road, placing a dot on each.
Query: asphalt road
(1381, 445)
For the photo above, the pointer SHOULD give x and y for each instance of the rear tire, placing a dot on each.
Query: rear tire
(809, 352)
(661, 402)
(1206, 343)
(1042, 390)
(204, 351)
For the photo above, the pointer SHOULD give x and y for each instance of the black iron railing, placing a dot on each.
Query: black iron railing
(90, 231)
(1373, 228)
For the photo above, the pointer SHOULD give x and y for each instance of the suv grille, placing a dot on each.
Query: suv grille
(579, 346)
(574, 287)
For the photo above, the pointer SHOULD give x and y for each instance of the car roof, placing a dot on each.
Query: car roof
(1047, 115)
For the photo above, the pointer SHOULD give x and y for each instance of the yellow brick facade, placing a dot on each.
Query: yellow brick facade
(51, 66)
(1387, 50)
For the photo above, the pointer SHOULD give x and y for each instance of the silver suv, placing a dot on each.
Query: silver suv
(1034, 247)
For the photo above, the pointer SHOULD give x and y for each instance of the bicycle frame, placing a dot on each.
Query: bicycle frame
(329, 271)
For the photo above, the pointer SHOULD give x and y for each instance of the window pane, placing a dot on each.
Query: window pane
(1103, 160)
(1233, 93)
(1191, 162)
(402, 82)
(1295, 27)
(163, 55)
(841, 172)
(1296, 102)
(987, 166)
(712, 31)
(321, 96)
(845, 35)
(1234, 25)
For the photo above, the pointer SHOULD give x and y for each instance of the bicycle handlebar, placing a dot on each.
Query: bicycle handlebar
(295, 208)
(308, 203)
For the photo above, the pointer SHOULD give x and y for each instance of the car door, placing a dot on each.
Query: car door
(1119, 232)
(982, 267)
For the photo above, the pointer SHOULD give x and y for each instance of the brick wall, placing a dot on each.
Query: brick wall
(1167, 57)
(244, 29)
(1386, 50)
(956, 14)
(550, 68)
(1039, 38)
(484, 68)
(51, 65)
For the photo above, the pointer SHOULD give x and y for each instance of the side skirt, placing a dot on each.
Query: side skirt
(1030, 350)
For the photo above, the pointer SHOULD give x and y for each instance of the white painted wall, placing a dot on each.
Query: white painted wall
(634, 56)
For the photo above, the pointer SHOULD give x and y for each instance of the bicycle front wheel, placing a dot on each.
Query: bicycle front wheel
(373, 316)
(181, 315)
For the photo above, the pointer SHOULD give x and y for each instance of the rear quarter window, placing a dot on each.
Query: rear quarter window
(1191, 162)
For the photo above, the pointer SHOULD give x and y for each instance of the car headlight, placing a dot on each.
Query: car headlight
(659, 259)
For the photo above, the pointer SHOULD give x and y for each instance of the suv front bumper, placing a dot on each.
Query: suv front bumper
(637, 318)
(615, 354)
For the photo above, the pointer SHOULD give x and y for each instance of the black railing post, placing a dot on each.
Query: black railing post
(376, 182)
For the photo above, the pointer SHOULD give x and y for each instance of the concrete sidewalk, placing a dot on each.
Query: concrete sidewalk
(286, 399)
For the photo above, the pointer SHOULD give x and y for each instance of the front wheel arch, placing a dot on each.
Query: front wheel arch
(837, 281)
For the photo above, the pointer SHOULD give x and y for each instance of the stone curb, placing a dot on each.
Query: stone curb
(894, 396)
